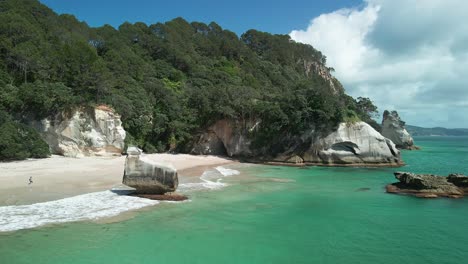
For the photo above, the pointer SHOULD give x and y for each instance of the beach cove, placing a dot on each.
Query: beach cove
(275, 214)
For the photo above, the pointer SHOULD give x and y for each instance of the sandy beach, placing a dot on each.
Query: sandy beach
(60, 177)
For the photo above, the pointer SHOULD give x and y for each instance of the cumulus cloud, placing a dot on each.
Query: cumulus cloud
(408, 55)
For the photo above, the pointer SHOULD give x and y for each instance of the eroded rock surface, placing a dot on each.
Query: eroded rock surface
(429, 186)
(349, 144)
(226, 137)
(83, 132)
(148, 176)
(394, 129)
(355, 143)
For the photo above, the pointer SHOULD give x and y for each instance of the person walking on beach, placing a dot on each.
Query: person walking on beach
(30, 180)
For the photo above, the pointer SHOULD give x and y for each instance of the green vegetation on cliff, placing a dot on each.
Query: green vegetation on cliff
(18, 141)
(168, 80)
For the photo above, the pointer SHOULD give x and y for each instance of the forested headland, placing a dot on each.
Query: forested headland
(167, 80)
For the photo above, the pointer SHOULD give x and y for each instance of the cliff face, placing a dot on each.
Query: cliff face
(349, 144)
(226, 137)
(84, 132)
(393, 128)
(314, 67)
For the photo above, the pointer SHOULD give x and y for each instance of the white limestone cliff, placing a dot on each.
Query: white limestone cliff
(83, 132)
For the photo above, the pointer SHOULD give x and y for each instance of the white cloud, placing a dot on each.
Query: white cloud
(408, 55)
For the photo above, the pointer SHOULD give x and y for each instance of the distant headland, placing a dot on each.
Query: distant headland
(436, 131)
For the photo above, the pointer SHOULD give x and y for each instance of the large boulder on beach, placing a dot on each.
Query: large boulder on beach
(428, 185)
(148, 176)
(394, 129)
(82, 132)
(352, 144)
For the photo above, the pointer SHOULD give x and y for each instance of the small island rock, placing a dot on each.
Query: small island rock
(429, 186)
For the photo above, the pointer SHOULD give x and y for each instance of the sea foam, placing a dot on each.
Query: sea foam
(210, 180)
(91, 206)
(227, 172)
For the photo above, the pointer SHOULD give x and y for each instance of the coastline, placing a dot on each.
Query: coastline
(60, 177)
(309, 164)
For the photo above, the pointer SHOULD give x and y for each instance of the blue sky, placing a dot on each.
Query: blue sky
(406, 55)
(238, 16)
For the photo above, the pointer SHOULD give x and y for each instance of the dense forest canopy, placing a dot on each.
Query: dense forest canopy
(167, 80)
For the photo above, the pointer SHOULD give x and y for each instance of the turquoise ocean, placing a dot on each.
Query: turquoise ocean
(272, 214)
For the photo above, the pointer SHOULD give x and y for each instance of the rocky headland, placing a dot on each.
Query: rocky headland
(394, 129)
(98, 131)
(349, 144)
(429, 186)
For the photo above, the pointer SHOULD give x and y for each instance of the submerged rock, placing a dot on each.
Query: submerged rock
(364, 189)
(83, 132)
(148, 176)
(175, 197)
(393, 128)
(429, 186)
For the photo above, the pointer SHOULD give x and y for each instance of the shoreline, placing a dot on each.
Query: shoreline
(60, 177)
(310, 164)
(81, 189)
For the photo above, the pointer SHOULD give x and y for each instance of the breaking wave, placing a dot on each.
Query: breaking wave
(210, 180)
(227, 172)
(91, 206)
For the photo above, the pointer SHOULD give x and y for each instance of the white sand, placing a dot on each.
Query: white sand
(59, 177)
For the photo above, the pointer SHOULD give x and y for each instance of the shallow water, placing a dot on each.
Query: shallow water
(273, 214)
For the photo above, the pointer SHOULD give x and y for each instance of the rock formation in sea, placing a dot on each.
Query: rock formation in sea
(349, 144)
(393, 128)
(354, 143)
(83, 132)
(148, 176)
(429, 186)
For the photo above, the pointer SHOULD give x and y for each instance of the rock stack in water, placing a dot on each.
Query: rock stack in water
(147, 176)
(429, 186)
(393, 128)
